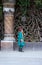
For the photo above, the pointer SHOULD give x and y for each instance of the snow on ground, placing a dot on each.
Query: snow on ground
(30, 57)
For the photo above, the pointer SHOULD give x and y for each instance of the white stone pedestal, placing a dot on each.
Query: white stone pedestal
(7, 43)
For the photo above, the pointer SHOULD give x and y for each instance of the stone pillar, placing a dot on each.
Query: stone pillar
(7, 43)
(8, 27)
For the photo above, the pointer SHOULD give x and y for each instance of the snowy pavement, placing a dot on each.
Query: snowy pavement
(29, 57)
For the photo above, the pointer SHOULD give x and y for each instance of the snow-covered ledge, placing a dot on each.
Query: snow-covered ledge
(7, 9)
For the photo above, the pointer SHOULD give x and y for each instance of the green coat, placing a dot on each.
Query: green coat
(21, 42)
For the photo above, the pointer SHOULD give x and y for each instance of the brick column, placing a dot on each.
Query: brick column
(7, 43)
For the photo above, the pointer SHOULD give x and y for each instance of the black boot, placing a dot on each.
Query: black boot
(20, 49)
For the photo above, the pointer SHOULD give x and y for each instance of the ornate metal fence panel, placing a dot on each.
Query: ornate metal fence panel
(31, 23)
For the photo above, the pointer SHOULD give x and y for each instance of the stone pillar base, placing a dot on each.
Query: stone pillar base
(6, 45)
